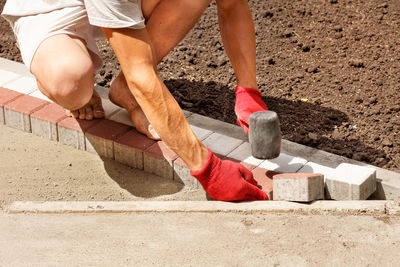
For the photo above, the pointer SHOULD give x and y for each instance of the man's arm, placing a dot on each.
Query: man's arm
(221, 179)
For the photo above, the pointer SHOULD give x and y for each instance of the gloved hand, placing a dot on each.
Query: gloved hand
(228, 181)
(248, 101)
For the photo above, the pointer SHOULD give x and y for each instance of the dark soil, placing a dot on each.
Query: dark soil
(330, 69)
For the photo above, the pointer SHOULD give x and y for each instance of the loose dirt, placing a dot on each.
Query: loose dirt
(328, 68)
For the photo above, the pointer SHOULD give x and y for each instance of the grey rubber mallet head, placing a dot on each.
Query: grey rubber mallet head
(265, 135)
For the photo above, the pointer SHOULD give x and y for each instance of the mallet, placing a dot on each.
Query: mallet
(265, 135)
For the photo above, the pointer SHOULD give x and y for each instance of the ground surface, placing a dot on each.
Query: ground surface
(330, 69)
(33, 168)
(199, 239)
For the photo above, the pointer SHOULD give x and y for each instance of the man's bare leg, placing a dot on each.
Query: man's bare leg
(167, 23)
(238, 36)
(154, 98)
(64, 72)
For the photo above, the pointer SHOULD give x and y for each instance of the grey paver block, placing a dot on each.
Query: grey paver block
(312, 167)
(128, 148)
(182, 174)
(200, 132)
(17, 120)
(44, 129)
(7, 76)
(25, 85)
(302, 187)
(284, 164)
(159, 159)
(351, 182)
(243, 154)
(71, 137)
(109, 108)
(40, 95)
(217, 126)
(158, 166)
(221, 144)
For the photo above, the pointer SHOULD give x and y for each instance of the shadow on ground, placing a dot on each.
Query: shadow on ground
(138, 183)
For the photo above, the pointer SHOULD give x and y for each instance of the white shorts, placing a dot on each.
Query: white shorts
(116, 13)
(31, 31)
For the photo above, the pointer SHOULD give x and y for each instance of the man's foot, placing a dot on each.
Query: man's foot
(92, 110)
(248, 101)
(121, 96)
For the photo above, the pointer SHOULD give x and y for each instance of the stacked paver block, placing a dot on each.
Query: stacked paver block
(17, 112)
(302, 187)
(128, 148)
(6, 96)
(350, 182)
(44, 121)
(71, 131)
(158, 159)
(100, 138)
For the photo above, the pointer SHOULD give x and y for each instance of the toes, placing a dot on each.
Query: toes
(82, 112)
(98, 111)
(89, 113)
(72, 113)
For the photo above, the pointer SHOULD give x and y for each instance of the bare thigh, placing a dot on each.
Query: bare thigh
(64, 69)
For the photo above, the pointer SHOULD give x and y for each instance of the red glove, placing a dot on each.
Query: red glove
(228, 181)
(248, 101)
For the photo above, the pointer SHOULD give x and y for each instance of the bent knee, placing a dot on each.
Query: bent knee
(143, 79)
(71, 84)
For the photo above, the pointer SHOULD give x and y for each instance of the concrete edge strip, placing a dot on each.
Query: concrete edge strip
(317, 207)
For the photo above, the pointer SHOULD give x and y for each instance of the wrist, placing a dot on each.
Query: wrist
(200, 159)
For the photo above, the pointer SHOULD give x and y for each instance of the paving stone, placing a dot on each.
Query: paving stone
(122, 116)
(200, 132)
(186, 113)
(350, 182)
(25, 85)
(17, 112)
(40, 95)
(221, 144)
(109, 108)
(7, 76)
(6, 96)
(102, 91)
(312, 167)
(182, 175)
(302, 187)
(15, 67)
(71, 131)
(129, 147)
(284, 164)
(158, 159)
(243, 154)
(44, 121)
(217, 126)
(264, 178)
(100, 138)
